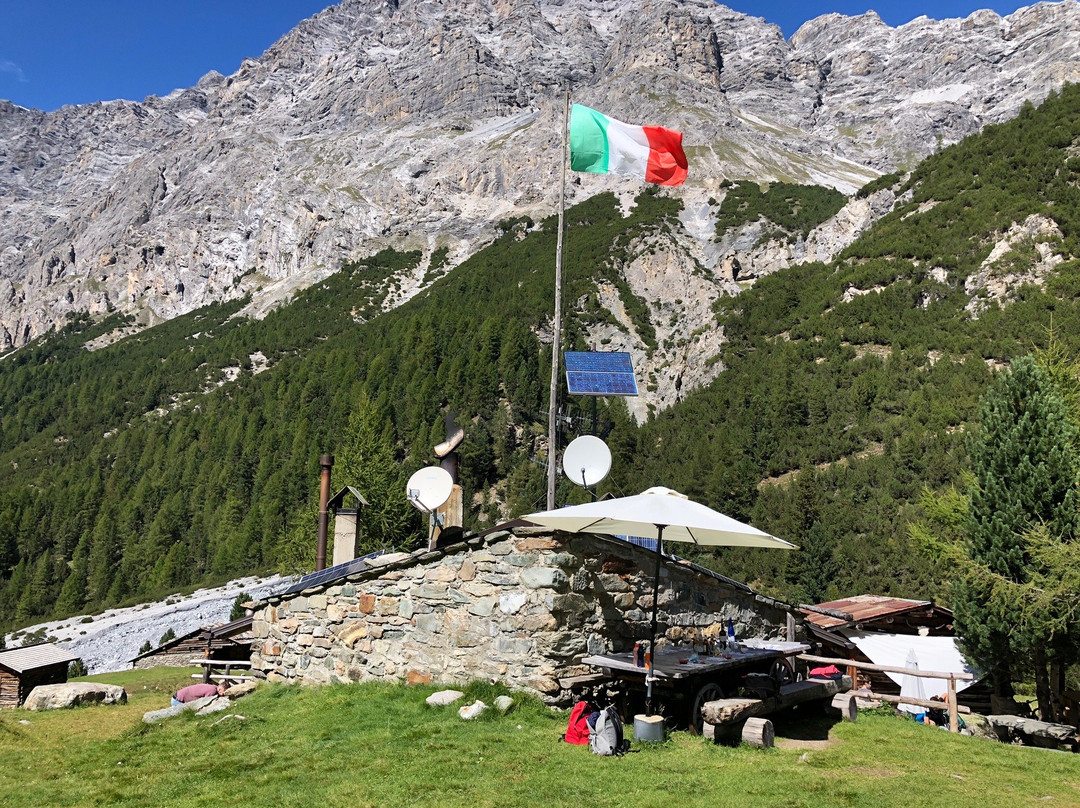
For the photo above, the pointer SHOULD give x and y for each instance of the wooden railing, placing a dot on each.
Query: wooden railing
(951, 677)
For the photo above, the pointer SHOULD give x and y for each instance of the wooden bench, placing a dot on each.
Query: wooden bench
(226, 677)
(1034, 733)
(210, 665)
(727, 719)
(588, 680)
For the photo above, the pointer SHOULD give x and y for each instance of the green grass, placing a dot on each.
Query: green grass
(380, 745)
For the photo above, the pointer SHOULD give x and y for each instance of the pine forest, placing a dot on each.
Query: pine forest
(187, 453)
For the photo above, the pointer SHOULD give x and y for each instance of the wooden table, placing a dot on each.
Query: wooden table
(707, 679)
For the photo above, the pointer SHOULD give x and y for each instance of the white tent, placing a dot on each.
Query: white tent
(929, 654)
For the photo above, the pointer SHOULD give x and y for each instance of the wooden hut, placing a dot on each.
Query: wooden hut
(831, 625)
(23, 669)
(226, 641)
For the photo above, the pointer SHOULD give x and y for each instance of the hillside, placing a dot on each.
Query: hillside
(187, 452)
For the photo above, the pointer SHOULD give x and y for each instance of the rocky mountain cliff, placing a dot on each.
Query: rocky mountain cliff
(420, 124)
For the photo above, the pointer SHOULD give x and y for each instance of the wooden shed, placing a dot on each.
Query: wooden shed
(23, 669)
(226, 641)
(832, 625)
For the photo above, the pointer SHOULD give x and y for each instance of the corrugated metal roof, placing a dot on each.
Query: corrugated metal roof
(30, 657)
(862, 608)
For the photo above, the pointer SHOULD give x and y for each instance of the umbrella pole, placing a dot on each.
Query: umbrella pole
(652, 632)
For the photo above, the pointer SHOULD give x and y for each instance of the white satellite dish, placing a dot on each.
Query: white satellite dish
(429, 488)
(586, 461)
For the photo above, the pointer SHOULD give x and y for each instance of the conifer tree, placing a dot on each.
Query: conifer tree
(1025, 466)
(366, 461)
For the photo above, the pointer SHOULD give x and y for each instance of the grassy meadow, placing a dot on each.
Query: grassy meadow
(379, 745)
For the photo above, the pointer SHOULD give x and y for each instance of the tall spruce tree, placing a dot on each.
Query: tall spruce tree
(1025, 465)
(367, 462)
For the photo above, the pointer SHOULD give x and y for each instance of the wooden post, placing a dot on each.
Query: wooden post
(954, 723)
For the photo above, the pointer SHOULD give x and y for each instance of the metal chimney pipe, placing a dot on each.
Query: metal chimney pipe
(326, 462)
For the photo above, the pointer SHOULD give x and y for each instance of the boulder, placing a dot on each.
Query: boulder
(503, 704)
(443, 698)
(72, 694)
(203, 706)
(474, 710)
(241, 689)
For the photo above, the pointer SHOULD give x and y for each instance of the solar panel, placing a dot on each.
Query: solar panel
(600, 373)
(640, 541)
(331, 574)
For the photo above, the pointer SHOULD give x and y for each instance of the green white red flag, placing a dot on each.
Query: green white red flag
(603, 145)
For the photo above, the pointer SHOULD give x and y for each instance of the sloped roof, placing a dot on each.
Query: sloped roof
(31, 657)
(233, 628)
(868, 608)
(224, 631)
(377, 564)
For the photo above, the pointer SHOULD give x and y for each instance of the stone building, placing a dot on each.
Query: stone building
(520, 605)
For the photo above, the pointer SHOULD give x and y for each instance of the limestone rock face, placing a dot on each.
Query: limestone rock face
(417, 123)
(72, 694)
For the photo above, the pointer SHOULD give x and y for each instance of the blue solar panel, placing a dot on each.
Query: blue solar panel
(331, 573)
(640, 541)
(600, 373)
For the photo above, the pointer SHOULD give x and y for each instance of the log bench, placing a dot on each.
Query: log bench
(225, 665)
(728, 720)
(1034, 733)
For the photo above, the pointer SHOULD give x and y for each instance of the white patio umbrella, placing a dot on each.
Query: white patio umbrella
(658, 513)
(912, 686)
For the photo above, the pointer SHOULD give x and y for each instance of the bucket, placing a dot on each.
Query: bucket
(648, 728)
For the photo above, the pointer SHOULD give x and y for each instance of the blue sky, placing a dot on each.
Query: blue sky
(56, 52)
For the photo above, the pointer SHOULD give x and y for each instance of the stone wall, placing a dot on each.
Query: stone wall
(521, 608)
(178, 660)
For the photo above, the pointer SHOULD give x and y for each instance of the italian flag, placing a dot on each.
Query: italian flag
(603, 145)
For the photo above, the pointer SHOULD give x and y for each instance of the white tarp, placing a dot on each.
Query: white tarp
(924, 653)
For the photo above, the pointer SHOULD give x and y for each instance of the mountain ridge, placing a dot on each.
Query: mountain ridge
(406, 123)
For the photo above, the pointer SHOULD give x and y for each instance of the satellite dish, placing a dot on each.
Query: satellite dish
(586, 461)
(429, 488)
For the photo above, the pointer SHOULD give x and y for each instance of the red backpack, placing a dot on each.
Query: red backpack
(577, 730)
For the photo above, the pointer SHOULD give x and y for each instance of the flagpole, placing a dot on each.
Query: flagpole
(556, 336)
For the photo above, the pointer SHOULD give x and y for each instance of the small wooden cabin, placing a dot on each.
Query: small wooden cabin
(830, 625)
(226, 641)
(23, 669)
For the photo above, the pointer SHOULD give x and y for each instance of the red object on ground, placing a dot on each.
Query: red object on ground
(578, 729)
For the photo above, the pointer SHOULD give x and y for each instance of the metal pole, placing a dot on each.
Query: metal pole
(652, 631)
(556, 337)
(326, 462)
